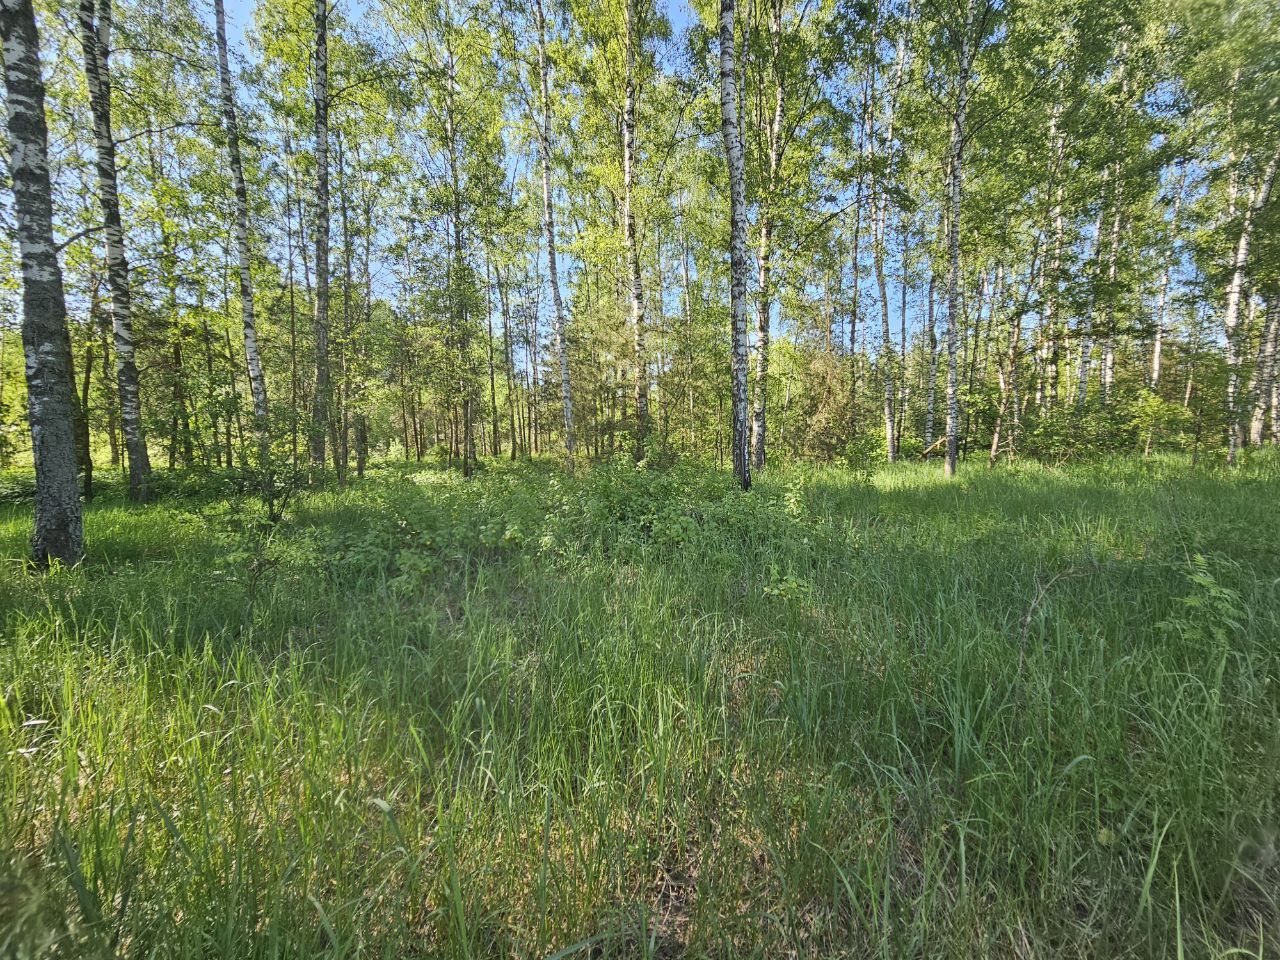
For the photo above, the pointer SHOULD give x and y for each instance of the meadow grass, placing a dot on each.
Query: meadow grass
(1030, 713)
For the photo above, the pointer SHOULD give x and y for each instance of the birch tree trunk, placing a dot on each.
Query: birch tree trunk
(549, 224)
(1047, 357)
(95, 39)
(1157, 345)
(257, 381)
(1107, 375)
(732, 132)
(293, 313)
(320, 400)
(342, 414)
(1007, 372)
(508, 359)
(956, 185)
(51, 402)
(1264, 371)
(1275, 391)
(641, 437)
(1086, 324)
(931, 387)
(773, 138)
(903, 396)
(888, 358)
(855, 257)
(1231, 321)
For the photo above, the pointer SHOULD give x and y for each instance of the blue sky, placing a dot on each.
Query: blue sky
(239, 12)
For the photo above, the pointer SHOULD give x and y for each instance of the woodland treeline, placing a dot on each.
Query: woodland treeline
(966, 229)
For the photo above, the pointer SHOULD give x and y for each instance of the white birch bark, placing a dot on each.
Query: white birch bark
(257, 380)
(855, 256)
(320, 400)
(1264, 371)
(1050, 280)
(931, 388)
(1231, 320)
(732, 132)
(888, 359)
(1086, 325)
(1108, 373)
(95, 40)
(773, 139)
(956, 186)
(51, 403)
(549, 225)
(1157, 345)
(641, 437)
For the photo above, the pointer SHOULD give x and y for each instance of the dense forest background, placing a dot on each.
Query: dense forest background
(486, 229)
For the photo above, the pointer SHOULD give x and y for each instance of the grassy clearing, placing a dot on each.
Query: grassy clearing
(1034, 712)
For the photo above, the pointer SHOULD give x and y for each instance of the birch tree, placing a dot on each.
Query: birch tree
(95, 40)
(636, 292)
(967, 49)
(51, 402)
(549, 226)
(257, 380)
(1235, 287)
(320, 399)
(732, 132)
(1264, 370)
(773, 134)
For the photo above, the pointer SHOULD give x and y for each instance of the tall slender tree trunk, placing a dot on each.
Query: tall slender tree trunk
(509, 358)
(1235, 288)
(1157, 344)
(1275, 379)
(732, 132)
(293, 311)
(1264, 370)
(887, 353)
(320, 400)
(855, 253)
(46, 345)
(459, 281)
(95, 39)
(903, 396)
(1007, 372)
(1086, 323)
(99, 320)
(549, 225)
(495, 447)
(931, 387)
(888, 357)
(179, 420)
(1047, 356)
(84, 454)
(764, 306)
(641, 437)
(773, 139)
(690, 359)
(1108, 373)
(253, 359)
(342, 417)
(533, 430)
(956, 184)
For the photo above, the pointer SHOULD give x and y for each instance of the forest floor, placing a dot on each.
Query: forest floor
(1032, 712)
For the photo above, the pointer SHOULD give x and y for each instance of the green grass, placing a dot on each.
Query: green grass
(1033, 712)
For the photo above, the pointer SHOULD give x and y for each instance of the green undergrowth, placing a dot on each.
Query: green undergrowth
(1033, 712)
